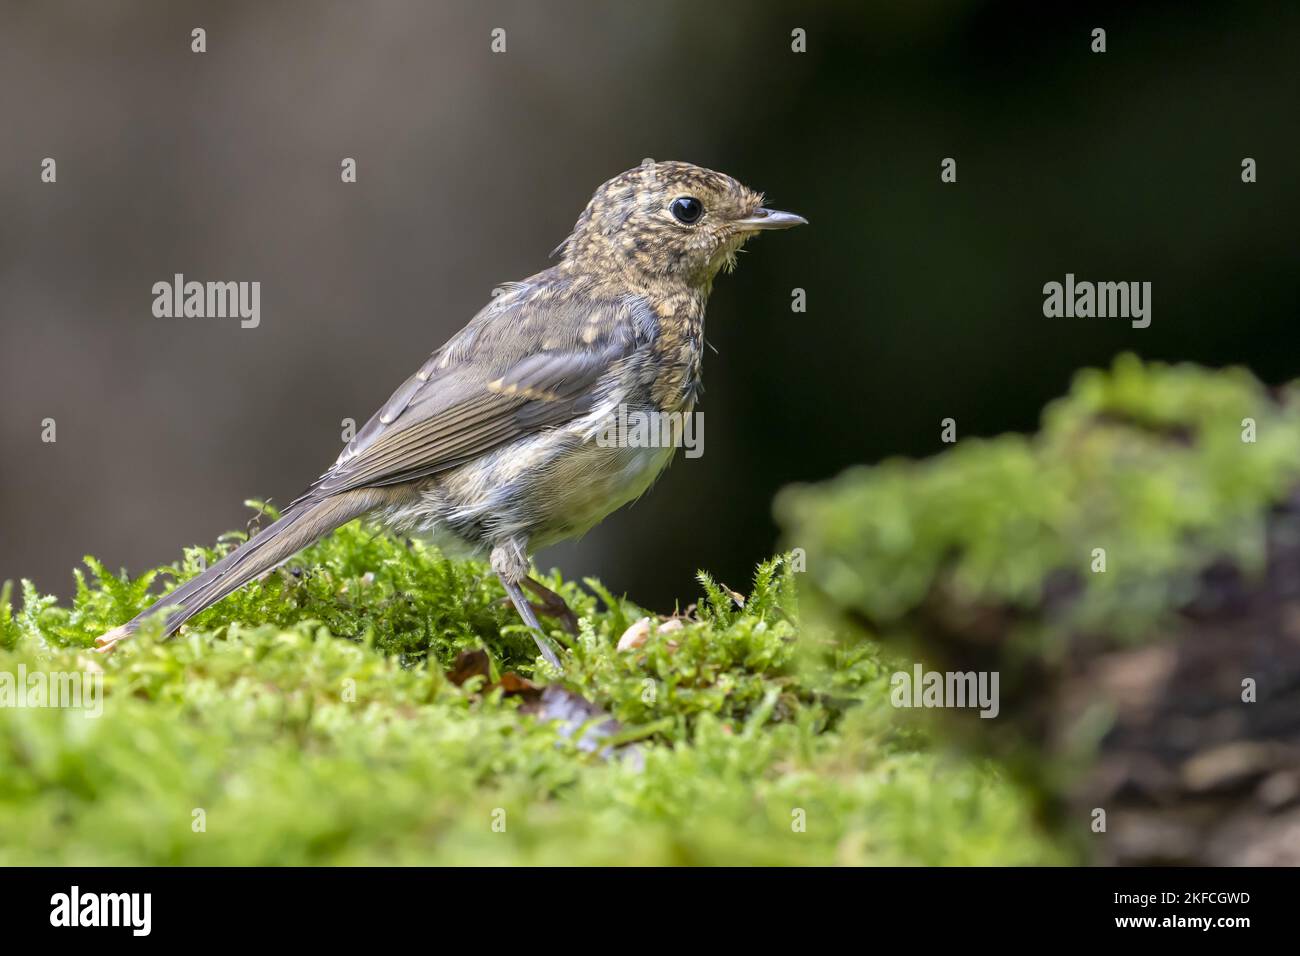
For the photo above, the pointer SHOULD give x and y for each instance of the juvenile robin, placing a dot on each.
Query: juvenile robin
(491, 447)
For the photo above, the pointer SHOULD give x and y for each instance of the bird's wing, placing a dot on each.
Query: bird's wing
(527, 362)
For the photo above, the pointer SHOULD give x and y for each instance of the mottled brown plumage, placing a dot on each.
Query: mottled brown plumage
(490, 447)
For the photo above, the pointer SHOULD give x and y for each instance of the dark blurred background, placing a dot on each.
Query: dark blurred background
(924, 299)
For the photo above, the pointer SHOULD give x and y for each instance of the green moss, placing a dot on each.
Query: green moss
(310, 721)
(1146, 463)
(1152, 518)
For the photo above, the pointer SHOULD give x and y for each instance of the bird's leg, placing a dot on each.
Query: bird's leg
(526, 612)
(510, 562)
(553, 605)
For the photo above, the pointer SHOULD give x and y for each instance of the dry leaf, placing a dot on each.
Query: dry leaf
(470, 664)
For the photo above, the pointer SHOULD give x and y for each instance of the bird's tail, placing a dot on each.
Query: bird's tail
(303, 523)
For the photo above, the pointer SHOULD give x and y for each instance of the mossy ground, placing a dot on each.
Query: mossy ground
(309, 718)
(1151, 518)
(1139, 480)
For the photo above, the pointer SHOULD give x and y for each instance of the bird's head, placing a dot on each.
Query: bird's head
(669, 223)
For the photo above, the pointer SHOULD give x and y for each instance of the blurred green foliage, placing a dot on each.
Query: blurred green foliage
(1149, 509)
(1167, 469)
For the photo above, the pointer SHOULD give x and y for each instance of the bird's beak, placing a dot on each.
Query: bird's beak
(771, 219)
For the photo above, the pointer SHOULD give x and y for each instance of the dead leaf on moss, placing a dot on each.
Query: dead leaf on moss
(476, 663)
(470, 664)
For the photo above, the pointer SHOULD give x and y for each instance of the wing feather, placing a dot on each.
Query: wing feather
(467, 399)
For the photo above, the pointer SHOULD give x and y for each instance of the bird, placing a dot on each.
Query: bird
(492, 448)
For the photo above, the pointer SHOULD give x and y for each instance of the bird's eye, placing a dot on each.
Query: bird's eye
(686, 209)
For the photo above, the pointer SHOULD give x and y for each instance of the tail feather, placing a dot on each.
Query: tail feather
(304, 523)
